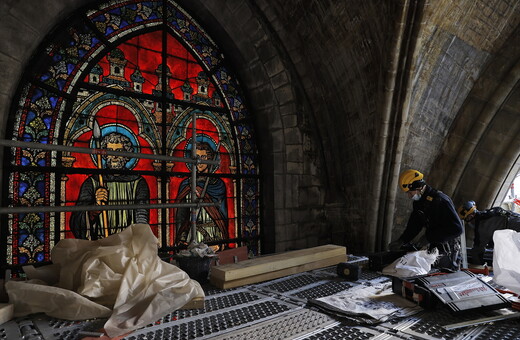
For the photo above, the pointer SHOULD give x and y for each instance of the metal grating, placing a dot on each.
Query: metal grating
(212, 324)
(9, 331)
(56, 329)
(433, 329)
(367, 275)
(210, 290)
(429, 325)
(179, 315)
(502, 331)
(325, 289)
(235, 299)
(212, 303)
(286, 327)
(276, 309)
(292, 283)
(341, 332)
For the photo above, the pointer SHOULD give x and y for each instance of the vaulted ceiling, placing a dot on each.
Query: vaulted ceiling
(346, 95)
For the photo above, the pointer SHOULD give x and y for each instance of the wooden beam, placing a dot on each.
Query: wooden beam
(277, 265)
(271, 263)
(277, 274)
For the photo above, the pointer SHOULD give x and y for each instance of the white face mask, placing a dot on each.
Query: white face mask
(416, 197)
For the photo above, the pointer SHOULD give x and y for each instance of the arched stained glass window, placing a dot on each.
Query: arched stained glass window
(130, 76)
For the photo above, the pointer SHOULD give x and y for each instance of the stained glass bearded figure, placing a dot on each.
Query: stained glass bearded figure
(212, 221)
(117, 189)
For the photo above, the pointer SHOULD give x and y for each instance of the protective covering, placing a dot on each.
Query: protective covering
(506, 268)
(119, 277)
(371, 305)
(412, 264)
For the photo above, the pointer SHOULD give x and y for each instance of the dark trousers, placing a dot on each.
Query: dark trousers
(449, 255)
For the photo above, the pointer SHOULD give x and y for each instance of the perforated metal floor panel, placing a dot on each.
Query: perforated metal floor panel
(430, 325)
(276, 309)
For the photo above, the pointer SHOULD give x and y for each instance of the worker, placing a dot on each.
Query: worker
(434, 211)
(484, 224)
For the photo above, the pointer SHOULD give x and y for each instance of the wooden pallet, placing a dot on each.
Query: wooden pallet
(274, 266)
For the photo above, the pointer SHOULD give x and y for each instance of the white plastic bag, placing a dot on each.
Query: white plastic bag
(412, 264)
(506, 268)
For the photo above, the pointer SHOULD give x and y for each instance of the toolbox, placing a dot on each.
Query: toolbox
(412, 290)
(461, 291)
(464, 291)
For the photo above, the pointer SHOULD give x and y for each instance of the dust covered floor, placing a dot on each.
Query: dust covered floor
(279, 309)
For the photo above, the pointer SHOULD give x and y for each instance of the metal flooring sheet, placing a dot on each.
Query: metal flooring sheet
(277, 309)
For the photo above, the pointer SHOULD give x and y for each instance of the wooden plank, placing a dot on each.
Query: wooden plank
(272, 263)
(331, 261)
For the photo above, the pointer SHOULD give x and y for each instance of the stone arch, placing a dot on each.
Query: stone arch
(267, 72)
(53, 19)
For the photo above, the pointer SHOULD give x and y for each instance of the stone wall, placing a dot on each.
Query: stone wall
(321, 78)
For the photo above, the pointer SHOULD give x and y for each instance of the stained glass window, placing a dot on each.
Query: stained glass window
(130, 76)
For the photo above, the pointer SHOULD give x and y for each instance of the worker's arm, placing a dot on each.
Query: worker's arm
(414, 226)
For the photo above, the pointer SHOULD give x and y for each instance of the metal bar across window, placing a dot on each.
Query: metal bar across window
(63, 148)
(93, 151)
(72, 208)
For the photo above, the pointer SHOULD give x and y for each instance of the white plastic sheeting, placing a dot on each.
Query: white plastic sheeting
(506, 252)
(412, 264)
(120, 277)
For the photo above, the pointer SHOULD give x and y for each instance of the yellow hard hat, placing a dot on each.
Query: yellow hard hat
(411, 180)
(467, 209)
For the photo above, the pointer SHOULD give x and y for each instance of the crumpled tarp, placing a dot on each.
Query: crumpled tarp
(120, 277)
